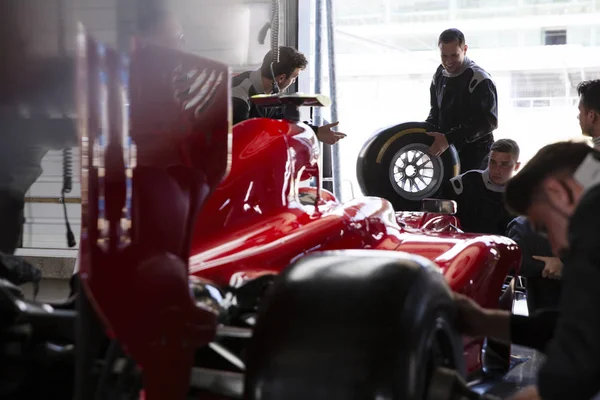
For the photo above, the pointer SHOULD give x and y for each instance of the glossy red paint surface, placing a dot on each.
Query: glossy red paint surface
(146, 171)
(259, 220)
(158, 205)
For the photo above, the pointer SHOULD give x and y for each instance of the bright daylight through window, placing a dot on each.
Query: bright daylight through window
(536, 50)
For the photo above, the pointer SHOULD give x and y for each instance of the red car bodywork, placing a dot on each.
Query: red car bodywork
(256, 224)
(141, 202)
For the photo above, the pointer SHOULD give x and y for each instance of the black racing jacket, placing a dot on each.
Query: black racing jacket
(569, 335)
(464, 106)
(480, 206)
(572, 367)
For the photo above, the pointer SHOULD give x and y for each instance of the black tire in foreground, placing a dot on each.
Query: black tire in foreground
(353, 325)
(394, 164)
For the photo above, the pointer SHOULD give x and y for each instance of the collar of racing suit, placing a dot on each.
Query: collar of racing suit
(588, 173)
(596, 142)
(466, 64)
(485, 175)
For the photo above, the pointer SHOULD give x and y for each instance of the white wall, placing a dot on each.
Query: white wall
(45, 225)
(224, 30)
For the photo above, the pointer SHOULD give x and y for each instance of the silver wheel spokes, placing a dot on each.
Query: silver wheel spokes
(413, 171)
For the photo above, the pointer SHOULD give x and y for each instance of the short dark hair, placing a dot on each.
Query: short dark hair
(289, 60)
(506, 146)
(589, 91)
(562, 158)
(451, 35)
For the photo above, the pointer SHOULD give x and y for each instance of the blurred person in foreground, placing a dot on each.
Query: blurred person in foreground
(559, 191)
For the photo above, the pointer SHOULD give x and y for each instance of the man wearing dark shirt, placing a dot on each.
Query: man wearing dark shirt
(464, 104)
(589, 110)
(559, 191)
(286, 71)
(479, 194)
(542, 270)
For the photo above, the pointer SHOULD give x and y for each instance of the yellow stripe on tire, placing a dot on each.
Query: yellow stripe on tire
(391, 140)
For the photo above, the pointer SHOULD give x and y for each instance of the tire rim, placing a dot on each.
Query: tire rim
(414, 173)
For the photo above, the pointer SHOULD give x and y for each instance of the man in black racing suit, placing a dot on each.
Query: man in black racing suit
(479, 194)
(286, 71)
(464, 105)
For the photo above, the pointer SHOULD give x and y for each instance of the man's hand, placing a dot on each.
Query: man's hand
(476, 321)
(440, 144)
(327, 135)
(528, 393)
(553, 267)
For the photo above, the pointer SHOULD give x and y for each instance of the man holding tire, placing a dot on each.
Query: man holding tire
(464, 104)
(559, 191)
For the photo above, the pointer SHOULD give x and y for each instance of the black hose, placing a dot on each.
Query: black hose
(275, 40)
(67, 187)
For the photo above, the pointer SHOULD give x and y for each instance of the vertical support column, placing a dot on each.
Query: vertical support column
(318, 57)
(337, 178)
(305, 40)
(326, 155)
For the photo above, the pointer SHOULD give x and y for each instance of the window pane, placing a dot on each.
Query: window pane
(537, 52)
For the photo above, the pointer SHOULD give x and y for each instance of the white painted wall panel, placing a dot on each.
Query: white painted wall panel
(44, 222)
(225, 30)
(45, 226)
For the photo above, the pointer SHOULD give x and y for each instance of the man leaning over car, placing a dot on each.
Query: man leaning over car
(559, 191)
(286, 71)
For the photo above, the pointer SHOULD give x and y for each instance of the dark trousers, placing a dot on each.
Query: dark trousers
(11, 221)
(475, 155)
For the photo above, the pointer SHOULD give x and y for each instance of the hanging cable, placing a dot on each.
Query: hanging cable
(275, 41)
(67, 187)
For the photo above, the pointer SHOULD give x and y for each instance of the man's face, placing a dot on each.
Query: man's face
(502, 166)
(285, 81)
(551, 211)
(587, 119)
(453, 55)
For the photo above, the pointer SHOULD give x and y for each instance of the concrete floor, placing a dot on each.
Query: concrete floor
(51, 290)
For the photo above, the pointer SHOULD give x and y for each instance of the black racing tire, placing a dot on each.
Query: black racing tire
(379, 166)
(349, 324)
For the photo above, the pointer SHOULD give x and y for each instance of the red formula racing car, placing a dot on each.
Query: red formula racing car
(209, 270)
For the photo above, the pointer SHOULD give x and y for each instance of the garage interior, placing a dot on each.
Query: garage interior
(328, 31)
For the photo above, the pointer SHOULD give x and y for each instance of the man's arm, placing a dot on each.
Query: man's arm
(434, 112)
(483, 116)
(534, 331)
(572, 368)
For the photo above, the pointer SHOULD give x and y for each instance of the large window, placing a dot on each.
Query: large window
(536, 51)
